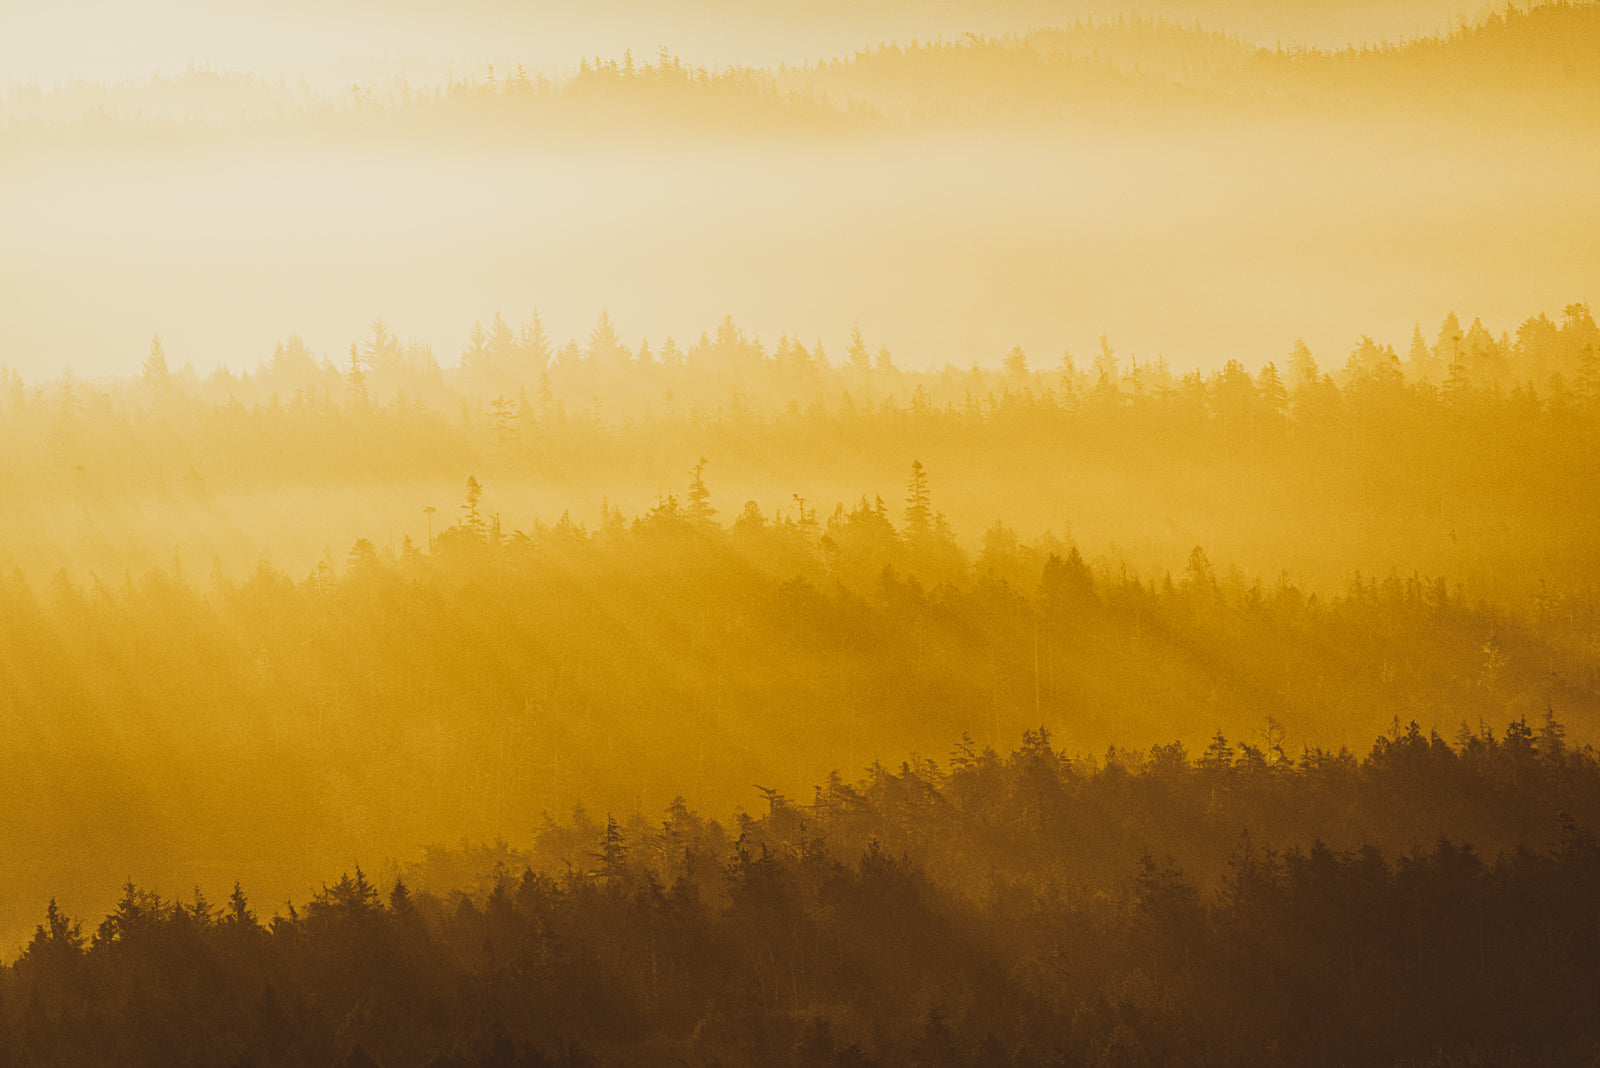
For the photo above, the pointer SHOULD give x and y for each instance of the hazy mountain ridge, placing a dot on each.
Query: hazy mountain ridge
(1513, 59)
(1541, 56)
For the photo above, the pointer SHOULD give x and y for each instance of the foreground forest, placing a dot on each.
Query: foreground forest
(1016, 909)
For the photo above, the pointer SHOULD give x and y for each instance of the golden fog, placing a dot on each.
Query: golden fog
(418, 421)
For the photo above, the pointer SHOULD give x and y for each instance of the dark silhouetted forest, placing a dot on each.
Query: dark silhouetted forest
(1016, 909)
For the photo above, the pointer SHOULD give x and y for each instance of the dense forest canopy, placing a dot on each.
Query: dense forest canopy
(995, 910)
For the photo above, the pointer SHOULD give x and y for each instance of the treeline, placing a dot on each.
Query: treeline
(983, 914)
(1520, 61)
(1501, 62)
(518, 110)
(1376, 463)
(508, 378)
(515, 390)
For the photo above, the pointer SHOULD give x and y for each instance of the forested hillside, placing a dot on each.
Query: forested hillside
(1522, 61)
(1535, 62)
(474, 658)
(702, 534)
(997, 910)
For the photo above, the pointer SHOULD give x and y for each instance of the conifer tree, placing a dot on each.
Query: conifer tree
(700, 509)
(357, 378)
(502, 345)
(1269, 388)
(474, 518)
(860, 360)
(534, 349)
(1303, 372)
(605, 348)
(919, 511)
(476, 355)
(155, 373)
(1419, 361)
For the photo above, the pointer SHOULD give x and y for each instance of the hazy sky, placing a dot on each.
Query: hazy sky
(1230, 239)
(947, 251)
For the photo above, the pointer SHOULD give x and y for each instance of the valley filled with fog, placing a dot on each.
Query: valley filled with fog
(538, 533)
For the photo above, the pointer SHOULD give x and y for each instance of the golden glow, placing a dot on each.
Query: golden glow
(253, 626)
